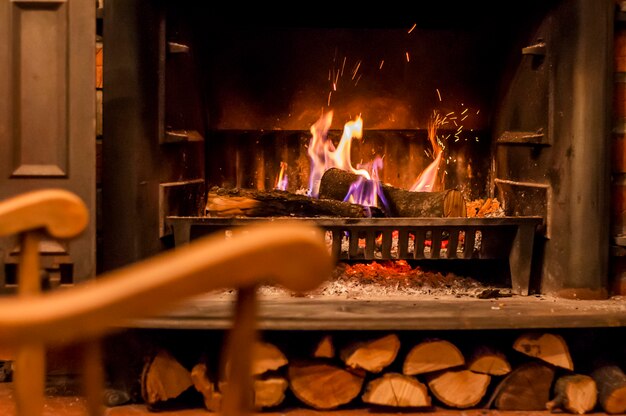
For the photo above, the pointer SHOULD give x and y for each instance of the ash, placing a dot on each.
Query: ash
(391, 279)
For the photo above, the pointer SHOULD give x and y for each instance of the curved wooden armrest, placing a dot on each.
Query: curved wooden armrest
(60, 212)
(291, 255)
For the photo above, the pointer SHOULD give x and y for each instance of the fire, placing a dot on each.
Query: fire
(324, 155)
(426, 180)
(282, 180)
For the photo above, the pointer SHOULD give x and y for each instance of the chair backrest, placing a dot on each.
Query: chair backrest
(292, 256)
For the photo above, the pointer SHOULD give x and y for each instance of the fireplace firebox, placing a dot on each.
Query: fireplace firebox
(198, 97)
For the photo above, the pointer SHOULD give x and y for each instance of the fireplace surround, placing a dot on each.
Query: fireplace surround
(195, 98)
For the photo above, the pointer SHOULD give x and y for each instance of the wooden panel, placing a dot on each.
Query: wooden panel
(39, 71)
(47, 110)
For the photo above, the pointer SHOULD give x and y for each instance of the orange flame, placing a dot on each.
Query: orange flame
(425, 182)
(323, 153)
(282, 180)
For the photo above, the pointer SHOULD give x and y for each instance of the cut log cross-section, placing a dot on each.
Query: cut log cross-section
(432, 355)
(459, 388)
(396, 390)
(486, 360)
(323, 386)
(335, 184)
(325, 348)
(373, 355)
(547, 347)
(611, 382)
(576, 393)
(527, 387)
(164, 378)
(202, 383)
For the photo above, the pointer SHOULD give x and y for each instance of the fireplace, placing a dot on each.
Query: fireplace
(197, 98)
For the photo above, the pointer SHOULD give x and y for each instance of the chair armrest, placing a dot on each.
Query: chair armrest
(293, 256)
(60, 212)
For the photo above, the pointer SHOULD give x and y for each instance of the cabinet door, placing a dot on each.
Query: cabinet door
(47, 121)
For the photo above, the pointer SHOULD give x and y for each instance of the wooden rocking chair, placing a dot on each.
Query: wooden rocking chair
(293, 256)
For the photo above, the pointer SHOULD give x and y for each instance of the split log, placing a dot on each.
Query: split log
(611, 383)
(432, 355)
(576, 393)
(222, 202)
(202, 383)
(525, 388)
(459, 388)
(265, 357)
(396, 390)
(372, 355)
(163, 378)
(269, 390)
(547, 347)
(325, 348)
(335, 184)
(323, 386)
(486, 360)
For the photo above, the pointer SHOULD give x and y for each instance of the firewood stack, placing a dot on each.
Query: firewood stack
(535, 373)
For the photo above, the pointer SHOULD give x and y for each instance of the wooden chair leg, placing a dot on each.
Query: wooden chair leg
(29, 376)
(239, 394)
(93, 377)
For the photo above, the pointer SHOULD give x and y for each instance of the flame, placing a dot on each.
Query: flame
(323, 153)
(426, 180)
(282, 180)
(367, 192)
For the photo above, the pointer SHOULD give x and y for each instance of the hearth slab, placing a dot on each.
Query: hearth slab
(297, 313)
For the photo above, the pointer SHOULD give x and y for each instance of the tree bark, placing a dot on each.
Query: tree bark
(396, 390)
(525, 388)
(335, 184)
(575, 393)
(611, 382)
(222, 202)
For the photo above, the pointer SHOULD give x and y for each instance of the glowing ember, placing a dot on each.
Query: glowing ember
(324, 155)
(282, 180)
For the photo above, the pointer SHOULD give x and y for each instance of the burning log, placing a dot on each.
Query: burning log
(432, 355)
(335, 184)
(459, 388)
(323, 386)
(222, 202)
(373, 355)
(396, 390)
(164, 378)
(525, 388)
(550, 348)
(575, 393)
(611, 382)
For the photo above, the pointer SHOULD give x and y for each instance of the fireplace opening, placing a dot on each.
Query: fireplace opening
(492, 100)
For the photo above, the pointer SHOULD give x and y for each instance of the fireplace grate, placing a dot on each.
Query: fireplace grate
(509, 238)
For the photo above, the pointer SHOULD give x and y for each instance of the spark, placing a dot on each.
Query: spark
(356, 69)
(343, 65)
(464, 117)
(464, 111)
(381, 64)
(330, 93)
(408, 59)
(439, 94)
(357, 80)
(450, 113)
(412, 27)
(478, 111)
